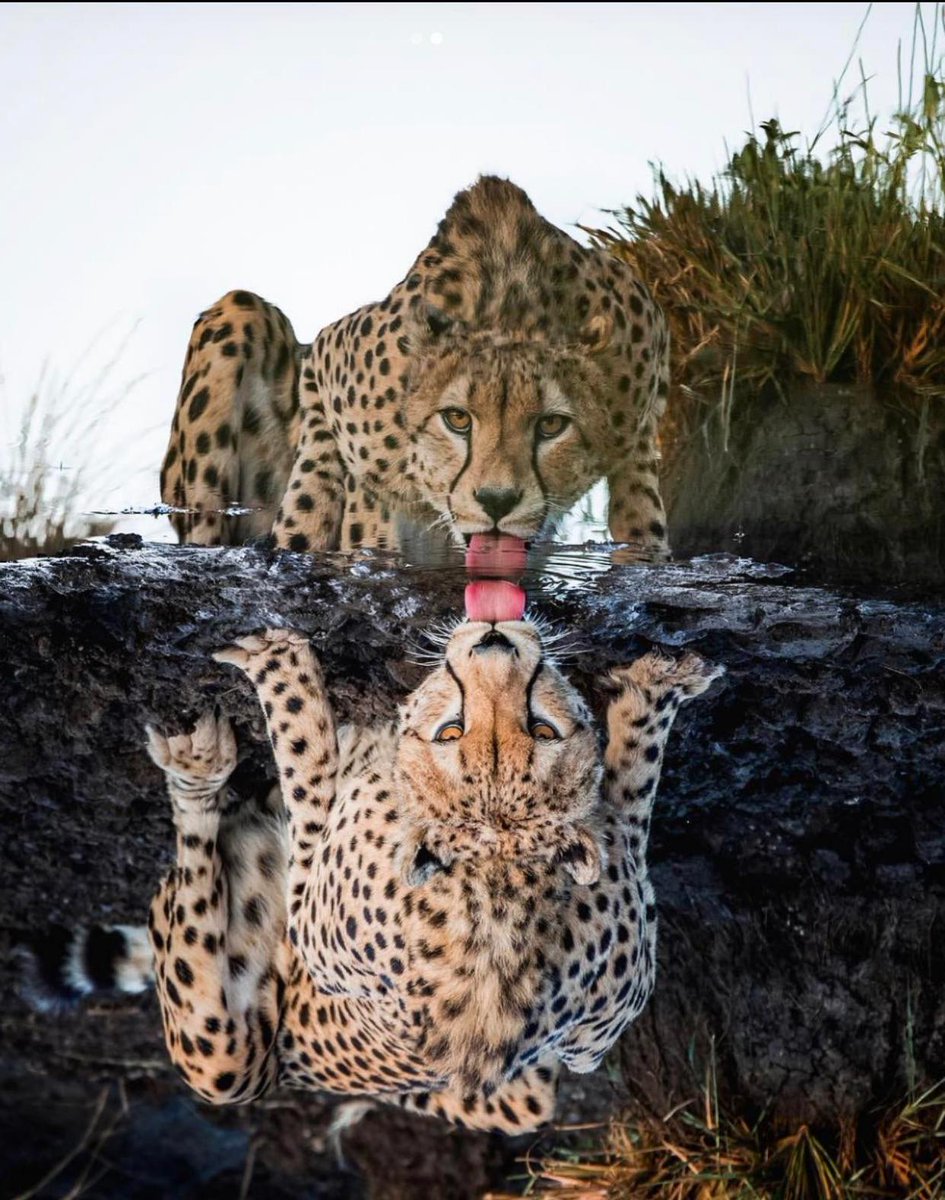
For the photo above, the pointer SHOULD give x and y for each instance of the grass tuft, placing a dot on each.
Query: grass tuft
(57, 463)
(821, 264)
(699, 1153)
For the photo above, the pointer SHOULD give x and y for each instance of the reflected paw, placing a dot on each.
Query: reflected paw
(256, 649)
(205, 757)
(659, 674)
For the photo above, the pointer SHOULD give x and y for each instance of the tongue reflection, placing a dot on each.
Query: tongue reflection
(494, 600)
(495, 554)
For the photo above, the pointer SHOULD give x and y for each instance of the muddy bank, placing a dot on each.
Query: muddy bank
(798, 850)
(843, 481)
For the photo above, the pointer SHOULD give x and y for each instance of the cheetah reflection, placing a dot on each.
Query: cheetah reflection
(439, 911)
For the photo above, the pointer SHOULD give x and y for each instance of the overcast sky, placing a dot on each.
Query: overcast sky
(153, 156)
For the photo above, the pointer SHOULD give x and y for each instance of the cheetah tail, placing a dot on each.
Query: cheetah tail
(61, 967)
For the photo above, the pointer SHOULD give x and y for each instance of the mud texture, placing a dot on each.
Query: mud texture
(798, 851)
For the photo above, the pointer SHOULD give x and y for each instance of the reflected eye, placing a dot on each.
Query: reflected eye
(552, 425)
(449, 732)
(541, 731)
(457, 419)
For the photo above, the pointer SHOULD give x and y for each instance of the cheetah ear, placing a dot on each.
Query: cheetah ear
(437, 321)
(597, 333)
(580, 856)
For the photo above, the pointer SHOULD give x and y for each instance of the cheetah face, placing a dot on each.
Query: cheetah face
(508, 435)
(497, 758)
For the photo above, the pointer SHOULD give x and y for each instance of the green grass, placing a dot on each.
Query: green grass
(823, 263)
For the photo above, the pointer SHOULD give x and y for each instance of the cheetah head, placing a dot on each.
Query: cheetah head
(507, 433)
(497, 759)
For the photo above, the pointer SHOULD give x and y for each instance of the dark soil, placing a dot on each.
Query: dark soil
(798, 850)
(842, 481)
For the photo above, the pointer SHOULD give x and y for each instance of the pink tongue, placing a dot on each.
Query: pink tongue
(494, 600)
(495, 554)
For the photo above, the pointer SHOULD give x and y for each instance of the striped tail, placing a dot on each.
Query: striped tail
(63, 966)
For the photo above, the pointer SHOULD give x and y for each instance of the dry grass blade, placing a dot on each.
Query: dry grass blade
(56, 465)
(698, 1152)
(92, 1136)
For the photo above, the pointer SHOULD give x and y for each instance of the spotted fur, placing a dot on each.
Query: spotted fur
(556, 354)
(440, 924)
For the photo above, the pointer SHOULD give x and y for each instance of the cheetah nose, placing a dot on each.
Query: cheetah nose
(498, 502)
(494, 640)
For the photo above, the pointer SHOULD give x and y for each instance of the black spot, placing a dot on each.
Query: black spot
(198, 404)
(224, 1082)
(183, 972)
(262, 484)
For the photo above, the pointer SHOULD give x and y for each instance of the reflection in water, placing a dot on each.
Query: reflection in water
(468, 903)
(439, 910)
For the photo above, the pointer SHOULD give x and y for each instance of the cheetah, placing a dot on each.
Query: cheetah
(436, 912)
(506, 373)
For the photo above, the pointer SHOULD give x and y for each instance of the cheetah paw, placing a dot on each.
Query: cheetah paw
(251, 651)
(688, 676)
(204, 757)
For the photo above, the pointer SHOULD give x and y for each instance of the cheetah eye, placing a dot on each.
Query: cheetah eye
(542, 731)
(552, 425)
(457, 419)
(449, 732)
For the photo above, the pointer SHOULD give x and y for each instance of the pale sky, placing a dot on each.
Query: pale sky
(153, 156)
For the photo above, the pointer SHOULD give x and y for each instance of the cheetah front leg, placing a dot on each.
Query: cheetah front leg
(639, 719)
(611, 927)
(636, 514)
(217, 923)
(311, 512)
(301, 724)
